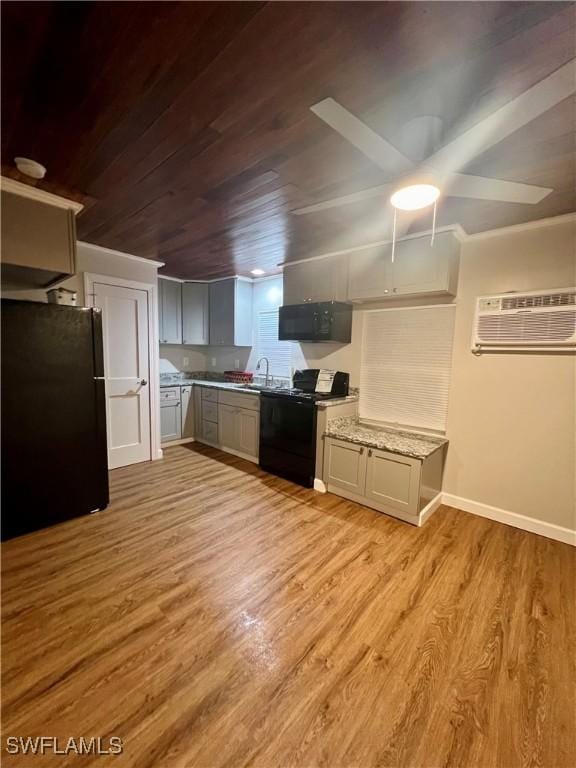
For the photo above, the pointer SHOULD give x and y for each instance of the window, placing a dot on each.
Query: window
(279, 353)
(405, 366)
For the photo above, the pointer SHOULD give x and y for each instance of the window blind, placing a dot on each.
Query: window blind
(405, 365)
(279, 353)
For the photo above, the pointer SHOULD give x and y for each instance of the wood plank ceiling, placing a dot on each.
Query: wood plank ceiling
(186, 128)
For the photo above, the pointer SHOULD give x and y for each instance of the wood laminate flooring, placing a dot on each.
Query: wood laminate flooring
(214, 616)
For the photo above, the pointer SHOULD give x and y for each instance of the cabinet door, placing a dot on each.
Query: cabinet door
(316, 280)
(393, 480)
(248, 423)
(227, 427)
(221, 308)
(170, 424)
(195, 318)
(187, 405)
(345, 466)
(423, 268)
(171, 328)
(369, 273)
(38, 235)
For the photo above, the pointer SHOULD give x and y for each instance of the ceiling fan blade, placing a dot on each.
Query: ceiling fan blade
(364, 194)
(481, 188)
(504, 121)
(380, 151)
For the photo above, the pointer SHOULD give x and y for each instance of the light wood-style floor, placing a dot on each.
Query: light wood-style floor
(217, 616)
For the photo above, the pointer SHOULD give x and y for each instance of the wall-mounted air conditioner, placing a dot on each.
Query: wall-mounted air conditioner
(534, 321)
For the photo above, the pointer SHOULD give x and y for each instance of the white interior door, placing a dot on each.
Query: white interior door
(127, 371)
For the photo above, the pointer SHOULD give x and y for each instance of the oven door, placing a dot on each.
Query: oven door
(288, 425)
(305, 322)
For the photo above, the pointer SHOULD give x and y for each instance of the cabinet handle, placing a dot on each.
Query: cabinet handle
(370, 452)
(361, 451)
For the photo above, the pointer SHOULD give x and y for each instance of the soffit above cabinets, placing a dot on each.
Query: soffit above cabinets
(193, 144)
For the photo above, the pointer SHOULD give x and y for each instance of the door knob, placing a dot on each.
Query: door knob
(143, 382)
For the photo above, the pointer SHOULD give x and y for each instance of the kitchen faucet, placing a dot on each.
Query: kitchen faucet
(267, 368)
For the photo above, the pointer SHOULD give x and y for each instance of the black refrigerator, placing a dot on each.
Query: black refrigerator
(54, 456)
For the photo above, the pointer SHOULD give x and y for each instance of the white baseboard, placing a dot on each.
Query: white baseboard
(556, 532)
(430, 508)
(319, 485)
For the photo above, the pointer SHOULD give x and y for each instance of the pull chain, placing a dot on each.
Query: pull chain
(394, 236)
(433, 224)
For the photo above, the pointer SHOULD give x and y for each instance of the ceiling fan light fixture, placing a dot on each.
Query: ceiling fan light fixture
(415, 197)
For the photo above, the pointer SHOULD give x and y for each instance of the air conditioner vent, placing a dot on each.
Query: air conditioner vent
(540, 300)
(538, 320)
(542, 327)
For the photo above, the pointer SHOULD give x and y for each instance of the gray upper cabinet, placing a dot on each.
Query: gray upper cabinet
(170, 311)
(370, 273)
(195, 313)
(230, 307)
(316, 280)
(420, 267)
(38, 242)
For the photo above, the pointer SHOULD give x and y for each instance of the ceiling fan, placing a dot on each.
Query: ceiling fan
(419, 184)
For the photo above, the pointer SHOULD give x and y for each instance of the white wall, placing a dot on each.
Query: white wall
(511, 417)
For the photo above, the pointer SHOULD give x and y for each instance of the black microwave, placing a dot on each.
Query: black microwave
(321, 321)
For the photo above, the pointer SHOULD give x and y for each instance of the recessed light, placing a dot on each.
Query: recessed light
(257, 272)
(30, 167)
(414, 197)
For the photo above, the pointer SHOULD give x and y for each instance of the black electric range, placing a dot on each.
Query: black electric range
(288, 425)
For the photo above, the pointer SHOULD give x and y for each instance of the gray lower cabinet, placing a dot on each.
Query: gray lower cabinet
(393, 480)
(239, 423)
(228, 420)
(230, 309)
(187, 411)
(195, 313)
(170, 414)
(169, 311)
(346, 466)
(249, 432)
(385, 481)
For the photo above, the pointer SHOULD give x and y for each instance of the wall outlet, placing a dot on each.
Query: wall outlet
(185, 362)
(213, 361)
(236, 364)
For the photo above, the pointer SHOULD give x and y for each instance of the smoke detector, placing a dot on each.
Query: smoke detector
(30, 167)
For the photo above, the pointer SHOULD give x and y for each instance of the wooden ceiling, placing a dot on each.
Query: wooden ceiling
(186, 129)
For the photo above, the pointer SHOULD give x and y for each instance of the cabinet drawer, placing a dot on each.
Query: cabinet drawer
(209, 394)
(210, 432)
(210, 412)
(169, 396)
(240, 400)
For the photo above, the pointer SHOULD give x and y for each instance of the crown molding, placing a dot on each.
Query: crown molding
(40, 195)
(121, 254)
(458, 231)
(551, 221)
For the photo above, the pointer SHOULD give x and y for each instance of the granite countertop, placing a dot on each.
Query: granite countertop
(412, 444)
(183, 379)
(353, 398)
